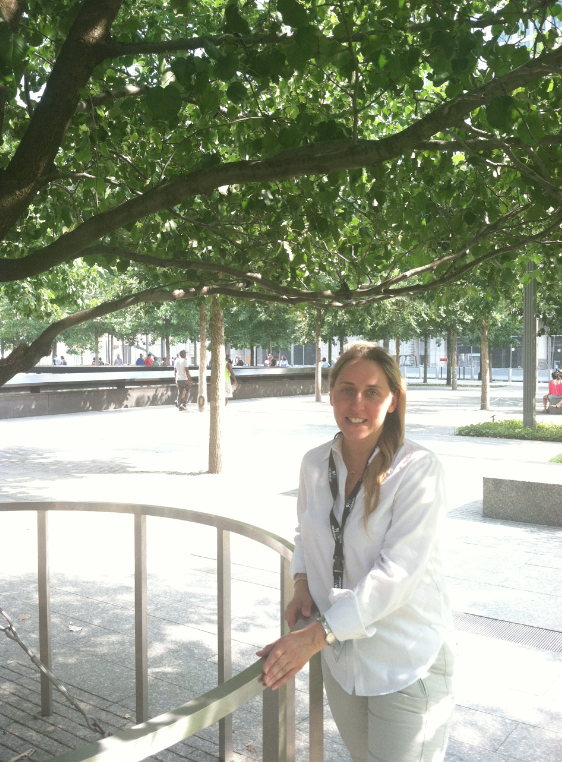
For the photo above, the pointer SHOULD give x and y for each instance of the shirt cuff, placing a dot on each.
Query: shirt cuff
(344, 616)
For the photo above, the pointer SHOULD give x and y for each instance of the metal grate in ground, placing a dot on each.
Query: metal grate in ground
(524, 634)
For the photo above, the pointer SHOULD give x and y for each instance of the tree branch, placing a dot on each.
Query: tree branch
(38, 148)
(318, 159)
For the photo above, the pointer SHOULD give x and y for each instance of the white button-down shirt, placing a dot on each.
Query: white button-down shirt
(393, 613)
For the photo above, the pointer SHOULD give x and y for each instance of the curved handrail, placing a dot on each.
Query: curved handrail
(271, 540)
(170, 728)
(154, 735)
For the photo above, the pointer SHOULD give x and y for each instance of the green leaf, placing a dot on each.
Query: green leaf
(499, 113)
(211, 50)
(227, 66)
(66, 214)
(234, 22)
(208, 101)
(164, 102)
(237, 92)
(293, 13)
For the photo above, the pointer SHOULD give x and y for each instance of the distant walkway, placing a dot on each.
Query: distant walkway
(509, 694)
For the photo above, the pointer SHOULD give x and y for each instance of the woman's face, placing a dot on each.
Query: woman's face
(361, 399)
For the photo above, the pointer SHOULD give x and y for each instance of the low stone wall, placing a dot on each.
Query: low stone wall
(528, 502)
(20, 405)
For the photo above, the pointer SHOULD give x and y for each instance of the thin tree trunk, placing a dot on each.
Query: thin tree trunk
(162, 348)
(96, 346)
(318, 374)
(123, 355)
(111, 349)
(330, 353)
(53, 351)
(202, 386)
(217, 385)
(484, 364)
(386, 344)
(490, 363)
(2, 348)
(342, 343)
(397, 350)
(449, 340)
(453, 355)
(252, 355)
(168, 349)
(425, 357)
(147, 344)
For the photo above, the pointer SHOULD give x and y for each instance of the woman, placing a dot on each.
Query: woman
(386, 619)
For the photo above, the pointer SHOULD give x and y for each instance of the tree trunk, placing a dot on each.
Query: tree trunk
(123, 355)
(96, 346)
(162, 348)
(397, 350)
(386, 344)
(449, 341)
(318, 374)
(252, 355)
(490, 362)
(484, 364)
(54, 352)
(453, 356)
(147, 344)
(111, 349)
(330, 353)
(202, 386)
(2, 348)
(342, 342)
(168, 349)
(425, 357)
(217, 385)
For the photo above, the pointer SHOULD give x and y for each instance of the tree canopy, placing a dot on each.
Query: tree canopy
(333, 154)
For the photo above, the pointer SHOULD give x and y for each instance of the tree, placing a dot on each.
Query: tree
(333, 155)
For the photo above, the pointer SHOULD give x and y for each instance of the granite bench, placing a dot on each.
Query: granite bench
(530, 502)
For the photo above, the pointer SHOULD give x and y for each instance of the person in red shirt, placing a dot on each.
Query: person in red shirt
(149, 360)
(554, 390)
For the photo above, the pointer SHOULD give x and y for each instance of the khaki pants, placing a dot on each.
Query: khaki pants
(411, 725)
(183, 392)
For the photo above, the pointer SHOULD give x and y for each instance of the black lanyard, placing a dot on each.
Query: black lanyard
(337, 529)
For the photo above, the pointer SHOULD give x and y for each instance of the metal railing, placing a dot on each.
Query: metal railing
(150, 736)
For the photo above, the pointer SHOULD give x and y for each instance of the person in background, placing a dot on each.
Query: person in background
(554, 390)
(57, 362)
(118, 360)
(267, 361)
(62, 360)
(183, 380)
(228, 380)
(156, 363)
(371, 564)
(283, 363)
(325, 363)
(140, 360)
(149, 360)
(273, 361)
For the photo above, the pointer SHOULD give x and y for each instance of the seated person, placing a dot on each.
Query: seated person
(554, 390)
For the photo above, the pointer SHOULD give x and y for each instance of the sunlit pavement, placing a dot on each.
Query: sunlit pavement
(509, 695)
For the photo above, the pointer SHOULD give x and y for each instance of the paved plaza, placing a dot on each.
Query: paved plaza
(509, 695)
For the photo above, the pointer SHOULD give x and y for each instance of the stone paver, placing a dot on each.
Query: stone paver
(509, 696)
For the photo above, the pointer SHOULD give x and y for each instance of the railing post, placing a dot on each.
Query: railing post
(224, 596)
(316, 709)
(279, 705)
(141, 640)
(44, 585)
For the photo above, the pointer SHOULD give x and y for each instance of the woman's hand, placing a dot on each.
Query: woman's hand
(301, 603)
(289, 654)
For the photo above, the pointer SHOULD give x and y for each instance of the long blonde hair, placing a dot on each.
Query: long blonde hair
(392, 435)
